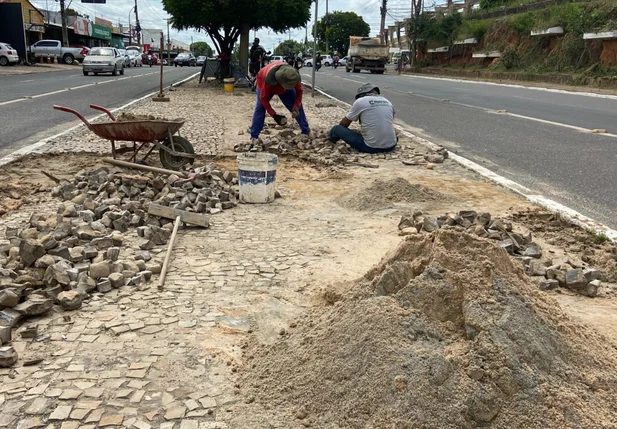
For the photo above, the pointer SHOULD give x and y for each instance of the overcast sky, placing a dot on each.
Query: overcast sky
(152, 15)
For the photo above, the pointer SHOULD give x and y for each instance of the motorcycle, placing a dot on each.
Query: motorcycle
(336, 64)
(317, 65)
(298, 64)
(150, 60)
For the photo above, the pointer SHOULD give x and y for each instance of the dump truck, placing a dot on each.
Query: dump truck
(367, 53)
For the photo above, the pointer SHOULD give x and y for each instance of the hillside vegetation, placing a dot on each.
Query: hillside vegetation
(511, 35)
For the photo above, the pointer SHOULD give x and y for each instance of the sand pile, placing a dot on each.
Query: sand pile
(384, 193)
(446, 332)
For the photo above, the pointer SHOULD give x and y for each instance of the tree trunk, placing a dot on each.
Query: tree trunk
(244, 49)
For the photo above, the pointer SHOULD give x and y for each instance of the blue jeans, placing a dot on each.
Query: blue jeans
(353, 139)
(259, 115)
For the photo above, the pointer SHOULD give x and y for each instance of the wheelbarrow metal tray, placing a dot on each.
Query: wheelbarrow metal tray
(137, 131)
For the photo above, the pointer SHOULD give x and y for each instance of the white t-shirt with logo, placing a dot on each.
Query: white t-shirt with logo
(376, 116)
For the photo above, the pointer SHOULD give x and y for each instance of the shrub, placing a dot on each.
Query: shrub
(510, 58)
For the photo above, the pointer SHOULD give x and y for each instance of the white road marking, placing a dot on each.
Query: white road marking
(558, 124)
(24, 81)
(28, 97)
(508, 85)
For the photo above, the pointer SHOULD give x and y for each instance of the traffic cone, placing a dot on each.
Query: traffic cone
(55, 61)
(41, 60)
(48, 60)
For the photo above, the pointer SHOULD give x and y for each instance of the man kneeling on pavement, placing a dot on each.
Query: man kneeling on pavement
(283, 80)
(376, 116)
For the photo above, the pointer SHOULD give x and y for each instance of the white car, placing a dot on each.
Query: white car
(8, 55)
(135, 57)
(342, 61)
(103, 60)
(277, 58)
(327, 60)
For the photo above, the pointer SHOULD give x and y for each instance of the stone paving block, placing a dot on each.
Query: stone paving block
(38, 406)
(176, 412)
(79, 414)
(70, 394)
(140, 424)
(95, 415)
(69, 425)
(189, 424)
(30, 423)
(137, 396)
(111, 420)
(62, 413)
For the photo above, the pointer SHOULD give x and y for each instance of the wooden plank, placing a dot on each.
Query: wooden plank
(186, 217)
(172, 240)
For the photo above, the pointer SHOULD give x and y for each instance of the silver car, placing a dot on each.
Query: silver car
(103, 60)
(8, 55)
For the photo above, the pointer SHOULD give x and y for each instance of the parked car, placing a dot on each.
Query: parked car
(327, 60)
(343, 61)
(53, 48)
(8, 55)
(185, 59)
(104, 60)
(276, 58)
(135, 57)
(201, 60)
(308, 61)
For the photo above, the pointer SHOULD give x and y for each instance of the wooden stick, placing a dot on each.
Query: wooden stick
(361, 164)
(51, 176)
(143, 167)
(168, 255)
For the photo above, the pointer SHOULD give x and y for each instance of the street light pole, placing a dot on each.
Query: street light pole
(314, 48)
(130, 31)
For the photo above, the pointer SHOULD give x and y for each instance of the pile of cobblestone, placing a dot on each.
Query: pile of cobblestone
(62, 258)
(550, 273)
(317, 149)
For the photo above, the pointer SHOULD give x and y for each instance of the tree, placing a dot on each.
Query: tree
(226, 20)
(340, 26)
(289, 47)
(201, 48)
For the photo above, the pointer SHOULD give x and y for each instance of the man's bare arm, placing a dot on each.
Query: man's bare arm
(345, 122)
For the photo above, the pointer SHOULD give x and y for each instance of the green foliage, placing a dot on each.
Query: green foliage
(444, 30)
(523, 23)
(600, 237)
(201, 48)
(473, 28)
(510, 58)
(289, 47)
(487, 4)
(340, 26)
(223, 20)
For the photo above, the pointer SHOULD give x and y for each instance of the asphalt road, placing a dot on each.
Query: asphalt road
(26, 101)
(543, 143)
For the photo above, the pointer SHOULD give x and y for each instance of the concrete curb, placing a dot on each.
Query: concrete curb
(571, 215)
(18, 154)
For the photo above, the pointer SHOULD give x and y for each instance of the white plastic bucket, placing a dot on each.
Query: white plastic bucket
(257, 176)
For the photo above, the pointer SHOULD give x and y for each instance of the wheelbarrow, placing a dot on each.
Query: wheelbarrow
(174, 151)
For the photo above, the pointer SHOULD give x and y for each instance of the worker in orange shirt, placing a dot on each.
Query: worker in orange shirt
(283, 80)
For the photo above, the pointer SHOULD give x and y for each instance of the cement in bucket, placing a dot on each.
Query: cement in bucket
(257, 176)
(229, 84)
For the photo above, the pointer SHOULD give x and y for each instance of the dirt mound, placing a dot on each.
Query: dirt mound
(384, 193)
(445, 332)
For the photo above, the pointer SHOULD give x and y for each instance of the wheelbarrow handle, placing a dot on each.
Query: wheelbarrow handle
(79, 115)
(102, 109)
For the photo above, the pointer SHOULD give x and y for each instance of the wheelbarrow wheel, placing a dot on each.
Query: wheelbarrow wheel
(172, 162)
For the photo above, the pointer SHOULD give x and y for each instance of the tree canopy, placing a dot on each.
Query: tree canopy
(201, 48)
(224, 20)
(340, 26)
(289, 47)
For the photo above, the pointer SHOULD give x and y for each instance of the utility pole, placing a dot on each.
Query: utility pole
(314, 48)
(168, 44)
(326, 26)
(137, 26)
(382, 32)
(65, 34)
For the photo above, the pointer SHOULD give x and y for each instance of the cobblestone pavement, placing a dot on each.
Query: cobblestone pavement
(137, 357)
(211, 131)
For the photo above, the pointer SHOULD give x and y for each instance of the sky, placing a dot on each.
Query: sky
(152, 15)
